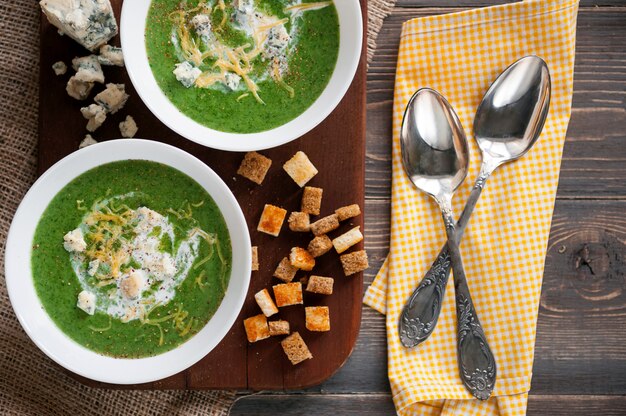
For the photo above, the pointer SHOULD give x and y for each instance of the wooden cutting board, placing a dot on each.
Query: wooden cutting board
(336, 147)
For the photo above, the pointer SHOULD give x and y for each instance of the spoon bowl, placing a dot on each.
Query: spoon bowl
(513, 111)
(435, 154)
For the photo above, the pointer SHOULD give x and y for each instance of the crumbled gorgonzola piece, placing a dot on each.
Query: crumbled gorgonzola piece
(87, 141)
(232, 80)
(74, 241)
(132, 285)
(59, 68)
(202, 25)
(89, 22)
(113, 98)
(96, 114)
(78, 89)
(111, 55)
(187, 74)
(93, 267)
(244, 6)
(88, 69)
(277, 42)
(128, 127)
(87, 302)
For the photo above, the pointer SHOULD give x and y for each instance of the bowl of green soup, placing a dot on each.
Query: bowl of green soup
(128, 261)
(241, 75)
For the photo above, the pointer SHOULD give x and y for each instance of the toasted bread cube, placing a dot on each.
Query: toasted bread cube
(311, 200)
(296, 349)
(317, 318)
(347, 240)
(271, 220)
(288, 294)
(349, 211)
(325, 225)
(265, 302)
(279, 328)
(300, 168)
(321, 285)
(354, 262)
(301, 259)
(254, 166)
(255, 258)
(320, 245)
(256, 328)
(285, 271)
(299, 222)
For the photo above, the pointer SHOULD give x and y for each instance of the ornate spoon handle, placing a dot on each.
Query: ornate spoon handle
(477, 365)
(421, 312)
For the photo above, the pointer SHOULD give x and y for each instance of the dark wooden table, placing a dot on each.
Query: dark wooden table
(580, 355)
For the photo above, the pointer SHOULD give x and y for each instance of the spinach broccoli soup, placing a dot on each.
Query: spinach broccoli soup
(242, 66)
(131, 258)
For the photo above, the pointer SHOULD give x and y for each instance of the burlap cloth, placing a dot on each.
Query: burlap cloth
(30, 383)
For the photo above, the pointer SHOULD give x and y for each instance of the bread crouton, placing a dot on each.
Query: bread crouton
(320, 245)
(299, 222)
(354, 262)
(254, 166)
(301, 259)
(271, 220)
(325, 225)
(300, 168)
(317, 318)
(285, 271)
(295, 348)
(349, 211)
(265, 302)
(287, 294)
(321, 285)
(311, 200)
(255, 258)
(279, 328)
(256, 328)
(347, 240)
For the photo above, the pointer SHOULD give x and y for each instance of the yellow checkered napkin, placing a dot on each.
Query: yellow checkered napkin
(504, 247)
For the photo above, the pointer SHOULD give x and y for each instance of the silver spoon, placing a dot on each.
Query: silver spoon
(435, 157)
(507, 124)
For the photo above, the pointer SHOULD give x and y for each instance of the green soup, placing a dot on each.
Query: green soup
(131, 258)
(242, 66)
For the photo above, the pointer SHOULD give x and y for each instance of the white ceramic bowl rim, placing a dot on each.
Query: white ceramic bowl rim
(40, 327)
(132, 31)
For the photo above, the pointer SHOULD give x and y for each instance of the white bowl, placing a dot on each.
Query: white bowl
(132, 31)
(43, 331)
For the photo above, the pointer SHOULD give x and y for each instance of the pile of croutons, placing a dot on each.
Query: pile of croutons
(317, 318)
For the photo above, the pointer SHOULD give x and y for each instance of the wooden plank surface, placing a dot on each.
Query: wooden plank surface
(378, 404)
(337, 149)
(581, 348)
